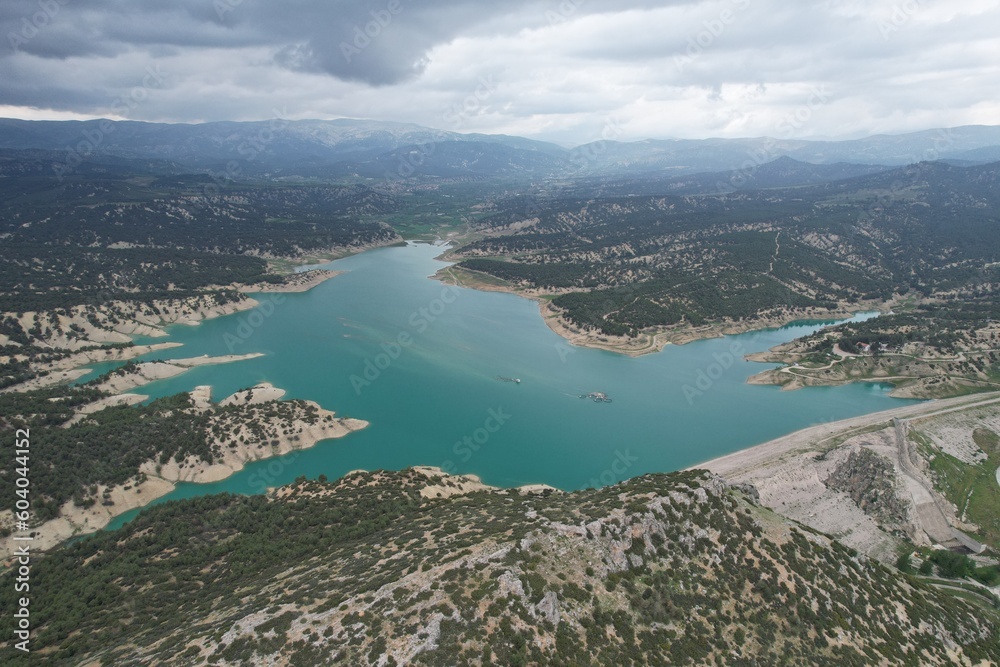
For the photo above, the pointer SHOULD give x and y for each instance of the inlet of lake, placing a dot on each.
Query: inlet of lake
(420, 361)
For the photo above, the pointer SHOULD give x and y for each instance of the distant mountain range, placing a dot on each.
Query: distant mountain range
(363, 149)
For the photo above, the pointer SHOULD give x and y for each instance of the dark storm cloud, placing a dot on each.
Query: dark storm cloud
(378, 42)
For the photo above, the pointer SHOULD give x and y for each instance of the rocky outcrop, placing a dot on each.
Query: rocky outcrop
(870, 481)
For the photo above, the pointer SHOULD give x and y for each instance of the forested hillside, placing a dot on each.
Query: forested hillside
(130, 230)
(623, 264)
(395, 568)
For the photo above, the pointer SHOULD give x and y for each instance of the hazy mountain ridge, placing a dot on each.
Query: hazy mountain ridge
(783, 172)
(346, 146)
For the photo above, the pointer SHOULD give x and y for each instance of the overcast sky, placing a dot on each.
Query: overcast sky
(570, 71)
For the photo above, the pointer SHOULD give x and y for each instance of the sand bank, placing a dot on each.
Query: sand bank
(72, 368)
(151, 371)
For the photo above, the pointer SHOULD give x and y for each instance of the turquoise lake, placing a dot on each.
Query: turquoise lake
(433, 354)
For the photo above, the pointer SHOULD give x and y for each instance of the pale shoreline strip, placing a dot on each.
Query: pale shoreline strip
(812, 437)
(294, 283)
(160, 480)
(647, 342)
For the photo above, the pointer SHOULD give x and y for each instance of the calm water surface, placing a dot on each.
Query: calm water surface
(420, 361)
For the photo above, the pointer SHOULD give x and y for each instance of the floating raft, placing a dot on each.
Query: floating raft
(597, 397)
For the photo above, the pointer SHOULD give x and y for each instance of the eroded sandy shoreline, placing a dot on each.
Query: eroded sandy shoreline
(151, 371)
(244, 435)
(293, 283)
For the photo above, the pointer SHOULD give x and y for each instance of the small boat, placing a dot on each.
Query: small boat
(597, 397)
(501, 378)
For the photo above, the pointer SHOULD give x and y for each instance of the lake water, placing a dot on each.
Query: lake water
(420, 360)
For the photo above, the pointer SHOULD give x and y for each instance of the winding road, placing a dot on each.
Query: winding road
(801, 371)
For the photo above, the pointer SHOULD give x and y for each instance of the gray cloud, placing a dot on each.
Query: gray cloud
(558, 69)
